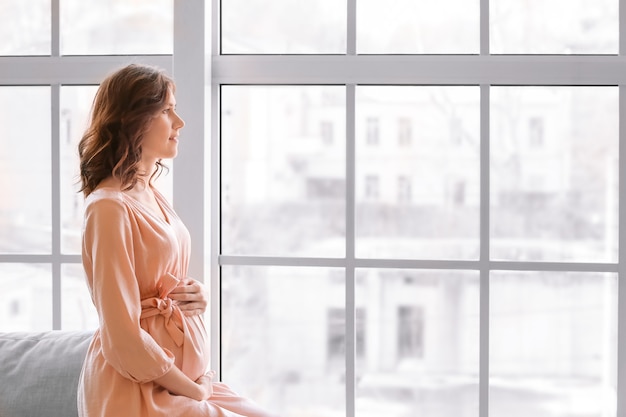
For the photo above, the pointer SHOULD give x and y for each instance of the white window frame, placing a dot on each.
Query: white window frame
(194, 70)
(483, 70)
(187, 66)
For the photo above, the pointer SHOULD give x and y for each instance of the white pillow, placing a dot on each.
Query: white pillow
(39, 372)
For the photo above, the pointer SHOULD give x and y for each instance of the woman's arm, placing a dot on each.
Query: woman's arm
(109, 262)
(176, 382)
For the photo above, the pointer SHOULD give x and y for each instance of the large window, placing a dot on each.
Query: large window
(401, 208)
(465, 260)
(52, 56)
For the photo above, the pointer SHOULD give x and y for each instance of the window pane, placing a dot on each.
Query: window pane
(417, 172)
(25, 27)
(554, 27)
(283, 337)
(75, 107)
(165, 183)
(419, 345)
(93, 27)
(553, 344)
(77, 309)
(26, 297)
(283, 26)
(25, 218)
(283, 170)
(418, 27)
(554, 173)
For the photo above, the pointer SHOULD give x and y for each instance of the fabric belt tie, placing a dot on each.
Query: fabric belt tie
(166, 307)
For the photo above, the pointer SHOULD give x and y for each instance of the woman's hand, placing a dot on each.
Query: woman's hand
(190, 296)
(206, 385)
(177, 383)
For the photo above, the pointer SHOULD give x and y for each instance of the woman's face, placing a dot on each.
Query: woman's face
(160, 141)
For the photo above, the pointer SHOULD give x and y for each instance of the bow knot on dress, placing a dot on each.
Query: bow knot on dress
(166, 307)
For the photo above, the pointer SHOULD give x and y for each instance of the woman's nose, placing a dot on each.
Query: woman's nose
(179, 121)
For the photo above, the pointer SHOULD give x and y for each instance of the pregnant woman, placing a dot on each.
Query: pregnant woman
(149, 356)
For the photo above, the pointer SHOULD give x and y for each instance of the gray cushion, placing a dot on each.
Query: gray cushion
(39, 372)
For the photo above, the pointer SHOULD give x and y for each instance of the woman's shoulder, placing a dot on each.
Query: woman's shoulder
(107, 199)
(109, 189)
(105, 193)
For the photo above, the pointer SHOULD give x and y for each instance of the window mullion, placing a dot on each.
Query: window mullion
(622, 27)
(621, 298)
(483, 371)
(484, 27)
(55, 51)
(188, 70)
(216, 28)
(215, 231)
(55, 190)
(351, 28)
(350, 251)
(55, 25)
(215, 180)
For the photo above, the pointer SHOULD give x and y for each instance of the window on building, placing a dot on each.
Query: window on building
(372, 187)
(372, 131)
(15, 308)
(410, 332)
(458, 193)
(456, 131)
(405, 131)
(327, 132)
(325, 188)
(404, 189)
(535, 132)
(336, 345)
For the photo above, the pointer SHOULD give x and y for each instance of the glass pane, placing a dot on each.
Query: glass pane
(283, 170)
(418, 344)
(25, 27)
(554, 27)
(95, 27)
(553, 344)
(26, 297)
(554, 178)
(165, 183)
(25, 218)
(418, 27)
(77, 309)
(417, 172)
(283, 26)
(75, 108)
(283, 338)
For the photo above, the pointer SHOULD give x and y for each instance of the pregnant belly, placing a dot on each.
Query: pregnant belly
(185, 337)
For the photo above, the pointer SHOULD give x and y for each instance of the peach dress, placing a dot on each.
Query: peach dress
(132, 259)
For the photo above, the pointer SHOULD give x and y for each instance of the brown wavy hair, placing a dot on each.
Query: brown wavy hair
(122, 110)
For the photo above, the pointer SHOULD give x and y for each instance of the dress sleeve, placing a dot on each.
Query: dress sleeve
(109, 263)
